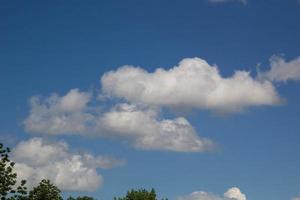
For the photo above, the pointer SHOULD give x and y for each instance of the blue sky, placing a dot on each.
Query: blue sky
(52, 47)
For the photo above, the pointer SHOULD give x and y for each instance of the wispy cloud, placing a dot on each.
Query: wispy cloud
(282, 70)
(227, 1)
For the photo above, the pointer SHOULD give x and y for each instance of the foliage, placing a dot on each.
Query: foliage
(45, 191)
(8, 178)
(140, 194)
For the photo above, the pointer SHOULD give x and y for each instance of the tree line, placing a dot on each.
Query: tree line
(11, 189)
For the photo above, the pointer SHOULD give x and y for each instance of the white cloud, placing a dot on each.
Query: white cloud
(55, 114)
(37, 159)
(226, 1)
(193, 83)
(200, 195)
(296, 198)
(74, 101)
(140, 125)
(282, 70)
(231, 194)
(147, 132)
(235, 193)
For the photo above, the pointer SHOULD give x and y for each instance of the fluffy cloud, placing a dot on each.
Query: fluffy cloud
(296, 198)
(193, 83)
(282, 70)
(226, 1)
(138, 124)
(200, 195)
(56, 114)
(235, 193)
(37, 159)
(231, 194)
(148, 132)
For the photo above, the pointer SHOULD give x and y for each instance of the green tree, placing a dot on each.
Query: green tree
(45, 191)
(140, 194)
(9, 190)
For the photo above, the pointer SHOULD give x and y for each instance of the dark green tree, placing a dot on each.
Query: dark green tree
(140, 194)
(9, 190)
(45, 191)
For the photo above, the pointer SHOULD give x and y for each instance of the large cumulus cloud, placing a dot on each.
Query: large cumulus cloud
(193, 83)
(142, 96)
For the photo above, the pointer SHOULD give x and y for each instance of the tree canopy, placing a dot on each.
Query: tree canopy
(140, 194)
(45, 191)
(9, 189)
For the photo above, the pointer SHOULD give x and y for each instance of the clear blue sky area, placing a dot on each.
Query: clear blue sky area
(56, 45)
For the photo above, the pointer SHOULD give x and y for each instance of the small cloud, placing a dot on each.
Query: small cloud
(227, 1)
(235, 193)
(282, 70)
(59, 113)
(231, 194)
